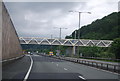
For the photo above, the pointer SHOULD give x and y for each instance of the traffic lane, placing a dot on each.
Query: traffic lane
(16, 69)
(39, 58)
(36, 75)
(44, 68)
(88, 72)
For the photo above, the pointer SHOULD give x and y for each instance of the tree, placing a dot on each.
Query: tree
(115, 47)
(106, 28)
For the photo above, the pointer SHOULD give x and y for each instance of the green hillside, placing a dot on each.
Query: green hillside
(106, 28)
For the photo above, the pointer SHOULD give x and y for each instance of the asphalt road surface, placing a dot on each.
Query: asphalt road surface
(47, 68)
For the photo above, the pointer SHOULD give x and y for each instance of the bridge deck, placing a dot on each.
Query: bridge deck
(65, 42)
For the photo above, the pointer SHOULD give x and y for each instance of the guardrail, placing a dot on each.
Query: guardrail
(100, 65)
(98, 58)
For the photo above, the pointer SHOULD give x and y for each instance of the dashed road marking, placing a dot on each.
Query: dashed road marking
(65, 69)
(56, 64)
(82, 77)
(35, 55)
(27, 55)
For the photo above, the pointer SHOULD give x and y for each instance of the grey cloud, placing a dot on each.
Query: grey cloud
(39, 18)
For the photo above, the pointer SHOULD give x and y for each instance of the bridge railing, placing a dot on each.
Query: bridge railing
(99, 65)
(65, 42)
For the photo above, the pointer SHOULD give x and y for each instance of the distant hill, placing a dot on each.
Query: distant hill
(106, 28)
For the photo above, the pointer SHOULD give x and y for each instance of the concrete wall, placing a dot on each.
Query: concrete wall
(10, 42)
(0, 40)
(0, 30)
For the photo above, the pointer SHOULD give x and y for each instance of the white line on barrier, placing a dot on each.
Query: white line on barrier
(30, 68)
(4, 60)
(12, 59)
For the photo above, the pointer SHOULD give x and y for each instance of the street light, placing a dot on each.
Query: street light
(60, 31)
(79, 20)
(51, 42)
(51, 36)
(79, 25)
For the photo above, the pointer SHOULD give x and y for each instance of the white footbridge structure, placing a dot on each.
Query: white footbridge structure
(65, 42)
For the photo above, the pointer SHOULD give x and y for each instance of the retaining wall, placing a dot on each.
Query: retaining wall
(10, 43)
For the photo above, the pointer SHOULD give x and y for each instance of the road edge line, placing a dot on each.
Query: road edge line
(30, 68)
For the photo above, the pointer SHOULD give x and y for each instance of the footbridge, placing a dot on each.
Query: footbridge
(65, 42)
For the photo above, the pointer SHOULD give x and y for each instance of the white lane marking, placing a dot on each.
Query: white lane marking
(30, 68)
(36, 55)
(81, 77)
(65, 69)
(56, 64)
(27, 55)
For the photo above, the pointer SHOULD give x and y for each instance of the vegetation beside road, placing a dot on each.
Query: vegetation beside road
(106, 28)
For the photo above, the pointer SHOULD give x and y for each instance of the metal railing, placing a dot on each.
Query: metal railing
(100, 65)
(65, 42)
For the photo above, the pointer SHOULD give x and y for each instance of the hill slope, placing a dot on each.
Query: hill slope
(106, 28)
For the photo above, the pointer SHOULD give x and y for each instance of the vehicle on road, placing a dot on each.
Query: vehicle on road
(51, 53)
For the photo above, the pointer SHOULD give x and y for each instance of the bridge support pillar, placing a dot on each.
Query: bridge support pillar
(73, 50)
(68, 51)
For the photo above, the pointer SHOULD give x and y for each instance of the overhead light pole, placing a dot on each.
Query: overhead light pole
(79, 20)
(60, 34)
(51, 42)
(79, 25)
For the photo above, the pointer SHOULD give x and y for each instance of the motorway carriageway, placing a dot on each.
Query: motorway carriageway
(42, 68)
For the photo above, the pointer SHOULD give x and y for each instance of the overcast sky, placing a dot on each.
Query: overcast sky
(38, 19)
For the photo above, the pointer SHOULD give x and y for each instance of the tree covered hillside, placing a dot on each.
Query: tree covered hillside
(106, 28)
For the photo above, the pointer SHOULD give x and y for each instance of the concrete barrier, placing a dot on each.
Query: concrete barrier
(11, 47)
(0, 40)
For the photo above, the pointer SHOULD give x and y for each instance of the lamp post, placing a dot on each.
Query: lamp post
(60, 31)
(79, 25)
(51, 36)
(51, 43)
(60, 34)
